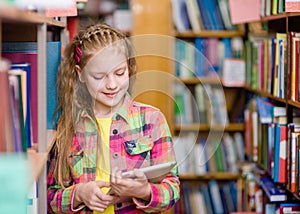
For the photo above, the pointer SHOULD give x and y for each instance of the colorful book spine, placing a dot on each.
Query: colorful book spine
(274, 193)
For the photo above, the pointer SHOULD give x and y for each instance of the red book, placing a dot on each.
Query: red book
(282, 178)
(296, 70)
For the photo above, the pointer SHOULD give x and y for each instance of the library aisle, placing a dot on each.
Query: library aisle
(225, 73)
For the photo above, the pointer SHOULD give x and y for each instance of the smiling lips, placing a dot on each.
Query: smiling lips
(110, 95)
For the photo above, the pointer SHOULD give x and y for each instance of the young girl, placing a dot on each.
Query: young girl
(102, 132)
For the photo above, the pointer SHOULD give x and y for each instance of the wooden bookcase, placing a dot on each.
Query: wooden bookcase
(281, 23)
(157, 21)
(18, 25)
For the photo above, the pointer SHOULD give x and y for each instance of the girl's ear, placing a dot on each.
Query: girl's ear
(80, 73)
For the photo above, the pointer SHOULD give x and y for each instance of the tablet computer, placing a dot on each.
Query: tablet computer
(152, 171)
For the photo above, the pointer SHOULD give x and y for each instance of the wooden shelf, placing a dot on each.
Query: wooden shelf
(211, 175)
(294, 103)
(265, 94)
(199, 127)
(9, 13)
(279, 16)
(205, 80)
(209, 33)
(37, 162)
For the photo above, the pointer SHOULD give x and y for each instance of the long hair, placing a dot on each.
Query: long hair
(78, 52)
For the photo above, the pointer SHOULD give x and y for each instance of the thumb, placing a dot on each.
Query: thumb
(139, 174)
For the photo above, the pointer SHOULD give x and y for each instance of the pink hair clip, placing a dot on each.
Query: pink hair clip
(78, 53)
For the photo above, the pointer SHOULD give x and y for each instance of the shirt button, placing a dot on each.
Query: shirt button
(118, 117)
(115, 131)
(115, 155)
(119, 205)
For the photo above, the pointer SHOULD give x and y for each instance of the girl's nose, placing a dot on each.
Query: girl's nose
(111, 82)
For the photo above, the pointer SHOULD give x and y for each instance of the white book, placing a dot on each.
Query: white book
(194, 15)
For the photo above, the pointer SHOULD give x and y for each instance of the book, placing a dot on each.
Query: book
(280, 154)
(292, 6)
(233, 72)
(274, 193)
(207, 199)
(216, 199)
(225, 13)
(288, 208)
(279, 64)
(201, 100)
(6, 125)
(180, 15)
(15, 81)
(27, 111)
(244, 11)
(194, 15)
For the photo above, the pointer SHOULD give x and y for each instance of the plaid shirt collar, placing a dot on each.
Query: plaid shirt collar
(124, 111)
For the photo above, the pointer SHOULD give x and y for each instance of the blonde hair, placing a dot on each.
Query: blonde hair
(77, 53)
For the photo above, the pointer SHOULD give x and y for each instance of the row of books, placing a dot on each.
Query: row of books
(200, 58)
(209, 155)
(267, 64)
(274, 7)
(197, 15)
(211, 198)
(260, 194)
(15, 83)
(203, 104)
(273, 142)
(20, 87)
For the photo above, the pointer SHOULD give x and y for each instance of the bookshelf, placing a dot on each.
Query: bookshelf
(281, 175)
(20, 25)
(160, 23)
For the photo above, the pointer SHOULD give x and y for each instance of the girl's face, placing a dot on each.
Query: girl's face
(107, 79)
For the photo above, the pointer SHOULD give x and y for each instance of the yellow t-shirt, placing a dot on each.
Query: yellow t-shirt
(103, 164)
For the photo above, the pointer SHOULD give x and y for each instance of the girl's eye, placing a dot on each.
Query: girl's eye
(120, 73)
(98, 78)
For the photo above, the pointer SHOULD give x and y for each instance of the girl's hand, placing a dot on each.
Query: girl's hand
(92, 196)
(137, 187)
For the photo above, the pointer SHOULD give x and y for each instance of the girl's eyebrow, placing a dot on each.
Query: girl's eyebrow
(120, 67)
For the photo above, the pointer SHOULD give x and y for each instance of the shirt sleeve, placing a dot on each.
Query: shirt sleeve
(60, 200)
(165, 192)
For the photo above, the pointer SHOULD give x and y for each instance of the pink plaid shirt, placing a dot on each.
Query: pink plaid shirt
(139, 137)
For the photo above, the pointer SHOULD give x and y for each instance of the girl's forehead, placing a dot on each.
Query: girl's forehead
(105, 60)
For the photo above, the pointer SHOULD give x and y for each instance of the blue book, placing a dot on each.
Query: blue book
(26, 67)
(276, 152)
(53, 60)
(205, 17)
(214, 191)
(271, 142)
(184, 15)
(270, 208)
(207, 198)
(264, 109)
(227, 45)
(274, 193)
(200, 58)
(186, 192)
